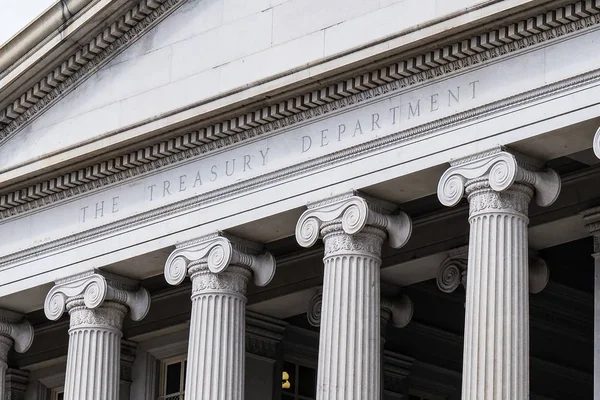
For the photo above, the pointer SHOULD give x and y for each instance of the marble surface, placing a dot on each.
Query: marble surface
(204, 49)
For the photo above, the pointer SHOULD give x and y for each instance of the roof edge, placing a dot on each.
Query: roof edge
(38, 30)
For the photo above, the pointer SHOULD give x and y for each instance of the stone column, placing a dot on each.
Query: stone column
(353, 230)
(499, 187)
(219, 268)
(14, 332)
(97, 303)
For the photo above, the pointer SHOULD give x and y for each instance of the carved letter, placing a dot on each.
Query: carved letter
(166, 186)
(358, 128)
(341, 129)
(264, 156)
(83, 209)
(306, 140)
(182, 179)
(452, 96)
(473, 87)
(101, 209)
(198, 180)
(213, 172)
(247, 159)
(393, 111)
(115, 207)
(151, 187)
(324, 141)
(227, 167)
(375, 121)
(434, 102)
(414, 112)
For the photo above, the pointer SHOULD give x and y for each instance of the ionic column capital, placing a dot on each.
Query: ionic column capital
(92, 289)
(398, 310)
(218, 253)
(539, 273)
(497, 169)
(16, 332)
(596, 143)
(453, 272)
(354, 213)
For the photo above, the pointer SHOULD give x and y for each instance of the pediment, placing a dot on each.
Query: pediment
(93, 91)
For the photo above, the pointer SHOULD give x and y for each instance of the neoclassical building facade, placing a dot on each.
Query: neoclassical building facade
(301, 199)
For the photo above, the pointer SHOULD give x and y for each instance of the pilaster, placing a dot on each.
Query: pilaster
(353, 228)
(264, 356)
(128, 352)
(220, 268)
(499, 186)
(397, 369)
(97, 303)
(16, 384)
(591, 219)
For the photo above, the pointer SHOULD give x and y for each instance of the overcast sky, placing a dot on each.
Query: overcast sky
(16, 14)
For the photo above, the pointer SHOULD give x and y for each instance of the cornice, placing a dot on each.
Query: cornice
(384, 81)
(81, 64)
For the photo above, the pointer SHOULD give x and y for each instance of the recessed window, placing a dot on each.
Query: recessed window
(301, 382)
(172, 378)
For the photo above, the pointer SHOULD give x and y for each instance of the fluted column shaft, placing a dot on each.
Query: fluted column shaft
(93, 361)
(496, 348)
(350, 345)
(216, 352)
